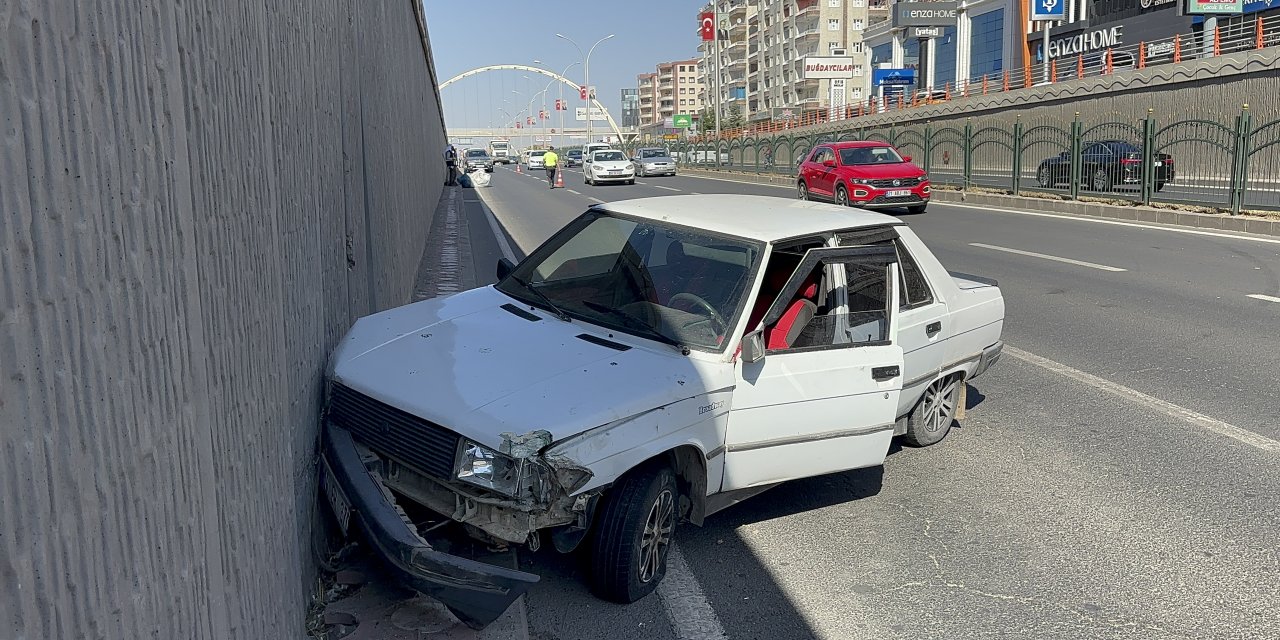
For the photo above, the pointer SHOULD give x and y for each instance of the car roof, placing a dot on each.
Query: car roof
(765, 218)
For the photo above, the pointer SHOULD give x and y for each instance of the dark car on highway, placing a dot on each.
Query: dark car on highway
(573, 158)
(478, 159)
(1104, 165)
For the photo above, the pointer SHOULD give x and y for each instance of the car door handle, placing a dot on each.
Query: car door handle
(885, 373)
(933, 329)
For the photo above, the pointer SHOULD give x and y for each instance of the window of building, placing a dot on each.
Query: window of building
(882, 53)
(832, 46)
(944, 51)
(833, 24)
(857, 24)
(986, 44)
(836, 3)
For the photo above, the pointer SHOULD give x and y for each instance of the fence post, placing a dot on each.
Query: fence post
(1142, 55)
(1079, 66)
(1017, 155)
(893, 135)
(1006, 80)
(928, 146)
(1240, 159)
(1053, 70)
(1257, 30)
(1110, 63)
(1177, 49)
(968, 153)
(1026, 78)
(1076, 160)
(1148, 155)
(1217, 41)
(984, 84)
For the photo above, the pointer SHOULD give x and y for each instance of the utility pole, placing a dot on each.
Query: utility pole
(715, 45)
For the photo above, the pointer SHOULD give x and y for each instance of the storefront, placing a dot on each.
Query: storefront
(1116, 25)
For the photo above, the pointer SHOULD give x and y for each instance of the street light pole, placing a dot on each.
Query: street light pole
(586, 74)
(561, 101)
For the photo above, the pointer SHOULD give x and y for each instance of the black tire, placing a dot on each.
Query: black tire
(624, 568)
(586, 180)
(930, 421)
(1101, 180)
(916, 209)
(631, 181)
(803, 190)
(1159, 186)
(842, 196)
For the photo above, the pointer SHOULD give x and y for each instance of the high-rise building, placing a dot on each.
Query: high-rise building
(647, 91)
(673, 89)
(762, 48)
(630, 108)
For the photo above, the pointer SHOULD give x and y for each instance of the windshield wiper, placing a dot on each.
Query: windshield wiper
(541, 297)
(633, 323)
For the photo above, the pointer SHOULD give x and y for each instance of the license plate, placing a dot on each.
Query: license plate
(1159, 163)
(615, 171)
(899, 193)
(337, 501)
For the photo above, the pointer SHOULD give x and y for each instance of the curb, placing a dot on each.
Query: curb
(1216, 222)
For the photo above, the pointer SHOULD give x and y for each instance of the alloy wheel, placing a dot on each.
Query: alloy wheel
(940, 405)
(657, 535)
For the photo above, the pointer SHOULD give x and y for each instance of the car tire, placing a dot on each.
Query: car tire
(1101, 180)
(803, 190)
(842, 196)
(1159, 186)
(631, 181)
(632, 535)
(1043, 178)
(586, 180)
(917, 209)
(930, 421)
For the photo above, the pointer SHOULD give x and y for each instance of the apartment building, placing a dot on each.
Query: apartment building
(673, 89)
(762, 48)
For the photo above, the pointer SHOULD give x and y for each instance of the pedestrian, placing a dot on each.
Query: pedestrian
(451, 165)
(551, 162)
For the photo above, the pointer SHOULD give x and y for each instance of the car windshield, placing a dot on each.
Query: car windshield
(653, 153)
(605, 156)
(869, 155)
(475, 153)
(647, 278)
(537, 153)
(574, 154)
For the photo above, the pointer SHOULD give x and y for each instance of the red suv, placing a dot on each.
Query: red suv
(863, 174)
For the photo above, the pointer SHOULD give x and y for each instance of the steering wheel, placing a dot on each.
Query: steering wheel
(706, 306)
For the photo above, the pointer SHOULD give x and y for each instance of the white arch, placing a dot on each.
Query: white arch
(549, 74)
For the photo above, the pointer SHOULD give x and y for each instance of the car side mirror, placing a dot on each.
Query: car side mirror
(505, 267)
(828, 163)
(906, 158)
(753, 346)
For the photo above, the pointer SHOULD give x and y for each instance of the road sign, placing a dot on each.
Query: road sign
(1216, 7)
(892, 77)
(597, 114)
(1049, 10)
(682, 121)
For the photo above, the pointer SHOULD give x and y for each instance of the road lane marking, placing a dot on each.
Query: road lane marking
(503, 245)
(658, 186)
(1259, 296)
(573, 192)
(1020, 252)
(691, 616)
(694, 193)
(595, 200)
(1122, 223)
(1168, 408)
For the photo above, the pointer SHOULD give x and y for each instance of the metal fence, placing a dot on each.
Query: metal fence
(1246, 35)
(1228, 161)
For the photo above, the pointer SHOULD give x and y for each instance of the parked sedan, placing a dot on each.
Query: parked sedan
(654, 162)
(478, 159)
(609, 165)
(1104, 165)
(655, 361)
(863, 174)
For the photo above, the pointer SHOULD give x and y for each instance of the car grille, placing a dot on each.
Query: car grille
(424, 445)
(895, 199)
(888, 183)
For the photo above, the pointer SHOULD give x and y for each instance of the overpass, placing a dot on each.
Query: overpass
(576, 133)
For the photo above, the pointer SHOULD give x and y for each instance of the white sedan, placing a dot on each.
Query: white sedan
(654, 362)
(609, 165)
(535, 160)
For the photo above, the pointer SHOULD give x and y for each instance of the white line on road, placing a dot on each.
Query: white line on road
(691, 616)
(694, 193)
(1115, 222)
(595, 200)
(501, 237)
(1259, 296)
(572, 191)
(658, 186)
(1020, 252)
(1168, 408)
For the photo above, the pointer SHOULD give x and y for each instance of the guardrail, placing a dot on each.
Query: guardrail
(1229, 163)
(1247, 35)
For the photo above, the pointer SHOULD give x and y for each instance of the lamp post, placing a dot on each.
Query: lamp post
(586, 74)
(566, 107)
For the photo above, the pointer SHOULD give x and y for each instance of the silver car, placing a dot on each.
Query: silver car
(478, 159)
(654, 162)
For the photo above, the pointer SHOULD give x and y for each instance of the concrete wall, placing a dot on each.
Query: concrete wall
(196, 200)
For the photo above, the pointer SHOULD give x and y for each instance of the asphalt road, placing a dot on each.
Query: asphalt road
(1117, 476)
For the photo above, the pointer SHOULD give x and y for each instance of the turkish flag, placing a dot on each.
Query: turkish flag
(708, 26)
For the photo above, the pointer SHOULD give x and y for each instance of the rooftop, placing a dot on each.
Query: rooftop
(764, 218)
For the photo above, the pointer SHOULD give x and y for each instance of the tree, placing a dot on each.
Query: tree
(733, 119)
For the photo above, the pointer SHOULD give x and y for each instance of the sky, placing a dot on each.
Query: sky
(469, 34)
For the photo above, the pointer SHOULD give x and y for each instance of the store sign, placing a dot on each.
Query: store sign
(828, 68)
(926, 14)
(1216, 7)
(926, 32)
(893, 77)
(1096, 40)
(1151, 4)
(682, 121)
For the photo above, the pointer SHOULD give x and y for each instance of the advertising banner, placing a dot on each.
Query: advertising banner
(1216, 7)
(682, 121)
(828, 68)
(927, 14)
(891, 77)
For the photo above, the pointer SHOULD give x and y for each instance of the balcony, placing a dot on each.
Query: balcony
(806, 8)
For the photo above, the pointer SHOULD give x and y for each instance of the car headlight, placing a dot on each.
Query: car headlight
(596, 167)
(520, 478)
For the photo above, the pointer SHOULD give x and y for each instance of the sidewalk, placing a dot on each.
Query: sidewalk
(1131, 213)
(364, 603)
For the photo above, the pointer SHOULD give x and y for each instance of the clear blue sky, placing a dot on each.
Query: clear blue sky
(469, 34)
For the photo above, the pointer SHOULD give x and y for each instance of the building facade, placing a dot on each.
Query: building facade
(630, 109)
(762, 45)
(673, 89)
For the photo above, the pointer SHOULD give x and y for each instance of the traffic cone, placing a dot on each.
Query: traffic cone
(518, 167)
(560, 177)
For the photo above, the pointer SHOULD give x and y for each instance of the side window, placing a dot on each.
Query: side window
(837, 305)
(915, 288)
(1095, 149)
(816, 155)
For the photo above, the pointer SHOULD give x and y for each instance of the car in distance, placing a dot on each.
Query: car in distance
(652, 363)
(609, 165)
(573, 158)
(863, 174)
(534, 159)
(1104, 165)
(653, 162)
(478, 159)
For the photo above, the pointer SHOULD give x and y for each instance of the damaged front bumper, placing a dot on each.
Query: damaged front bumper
(476, 592)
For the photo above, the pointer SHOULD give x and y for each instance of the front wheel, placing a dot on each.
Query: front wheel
(631, 181)
(586, 180)
(803, 190)
(1159, 186)
(842, 196)
(633, 534)
(1043, 178)
(1101, 180)
(930, 421)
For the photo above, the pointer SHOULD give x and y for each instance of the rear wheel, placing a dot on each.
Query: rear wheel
(633, 534)
(842, 196)
(1043, 178)
(930, 421)
(1101, 180)
(631, 181)
(803, 190)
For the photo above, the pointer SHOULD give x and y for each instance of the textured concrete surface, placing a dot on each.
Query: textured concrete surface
(197, 200)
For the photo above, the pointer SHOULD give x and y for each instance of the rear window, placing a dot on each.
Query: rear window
(475, 153)
(652, 153)
(537, 153)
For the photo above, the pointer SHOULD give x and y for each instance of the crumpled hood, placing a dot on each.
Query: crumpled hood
(467, 364)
